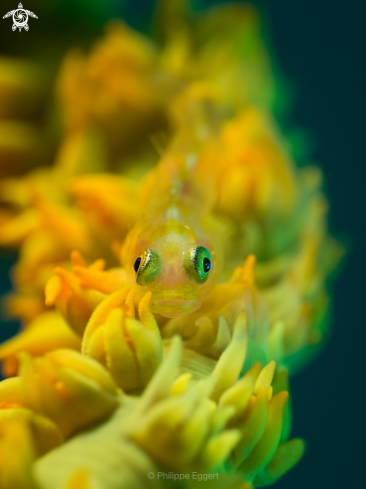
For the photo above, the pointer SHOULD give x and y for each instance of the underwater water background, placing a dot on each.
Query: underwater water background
(320, 46)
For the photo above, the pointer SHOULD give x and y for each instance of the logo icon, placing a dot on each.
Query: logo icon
(20, 17)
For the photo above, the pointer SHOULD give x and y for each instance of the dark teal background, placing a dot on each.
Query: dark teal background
(321, 47)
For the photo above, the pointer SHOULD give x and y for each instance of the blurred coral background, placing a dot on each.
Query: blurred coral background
(320, 49)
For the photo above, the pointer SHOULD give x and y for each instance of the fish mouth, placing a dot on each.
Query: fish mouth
(174, 307)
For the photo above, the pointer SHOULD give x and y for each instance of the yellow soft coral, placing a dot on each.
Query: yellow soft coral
(17, 455)
(130, 362)
(130, 349)
(65, 381)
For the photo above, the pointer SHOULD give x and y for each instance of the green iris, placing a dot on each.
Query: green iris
(197, 262)
(148, 266)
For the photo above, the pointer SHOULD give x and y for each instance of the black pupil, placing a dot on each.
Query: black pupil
(137, 264)
(206, 265)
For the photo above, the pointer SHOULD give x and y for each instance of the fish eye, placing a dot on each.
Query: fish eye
(197, 263)
(147, 266)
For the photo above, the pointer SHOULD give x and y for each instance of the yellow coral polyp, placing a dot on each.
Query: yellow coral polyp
(65, 381)
(17, 455)
(130, 349)
(257, 173)
(47, 332)
(114, 377)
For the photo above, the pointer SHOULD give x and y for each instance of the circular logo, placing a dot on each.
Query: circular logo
(150, 475)
(20, 17)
